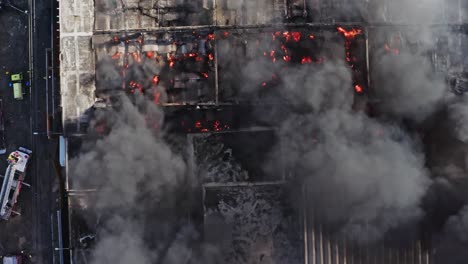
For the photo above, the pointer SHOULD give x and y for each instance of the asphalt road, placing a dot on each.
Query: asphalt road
(32, 230)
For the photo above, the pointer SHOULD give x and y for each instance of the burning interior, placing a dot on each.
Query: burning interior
(245, 131)
(215, 67)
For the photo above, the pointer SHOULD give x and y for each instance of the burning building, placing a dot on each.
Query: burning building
(276, 131)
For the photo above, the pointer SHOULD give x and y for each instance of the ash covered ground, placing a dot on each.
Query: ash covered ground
(254, 224)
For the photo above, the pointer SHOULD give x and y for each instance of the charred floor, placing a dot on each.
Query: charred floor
(243, 102)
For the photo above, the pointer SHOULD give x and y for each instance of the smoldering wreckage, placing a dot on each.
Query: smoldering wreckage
(273, 132)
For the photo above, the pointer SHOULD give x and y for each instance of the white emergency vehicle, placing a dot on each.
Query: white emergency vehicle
(13, 180)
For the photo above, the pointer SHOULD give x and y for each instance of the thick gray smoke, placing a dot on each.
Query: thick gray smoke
(457, 225)
(362, 176)
(131, 160)
(137, 175)
(407, 86)
(365, 177)
(458, 112)
(451, 244)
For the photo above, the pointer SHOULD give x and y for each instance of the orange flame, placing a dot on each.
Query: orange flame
(285, 50)
(349, 34)
(296, 36)
(358, 88)
(157, 97)
(117, 55)
(136, 57)
(171, 60)
(155, 79)
(150, 54)
(306, 60)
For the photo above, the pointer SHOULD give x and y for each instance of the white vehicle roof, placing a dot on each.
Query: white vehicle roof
(10, 260)
(6, 186)
(22, 160)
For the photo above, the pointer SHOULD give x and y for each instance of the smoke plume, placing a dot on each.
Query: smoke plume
(364, 176)
(140, 182)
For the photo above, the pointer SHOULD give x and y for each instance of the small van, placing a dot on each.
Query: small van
(17, 80)
(18, 91)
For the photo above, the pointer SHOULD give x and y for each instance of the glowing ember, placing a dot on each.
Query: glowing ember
(296, 36)
(136, 57)
(211, 36)
(275, 35)
(349, 34)
(134, 85)
(155, 79)
(207, 126)
(117, 55)
(171, 60)
(210, 57)
(191, 55)
(204, 74)
(157, 97)
(217, 126)
(306, 60)
(272, 55)
(311, 36)
(358, 88)
(286, 58)
(150, 54)
(264, 84)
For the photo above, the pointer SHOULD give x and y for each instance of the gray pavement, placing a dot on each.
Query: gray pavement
(15, 235)
(32, 230)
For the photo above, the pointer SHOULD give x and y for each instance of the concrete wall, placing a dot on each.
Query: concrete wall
(76, 57)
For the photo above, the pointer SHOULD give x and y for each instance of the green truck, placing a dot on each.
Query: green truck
(17, 80)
